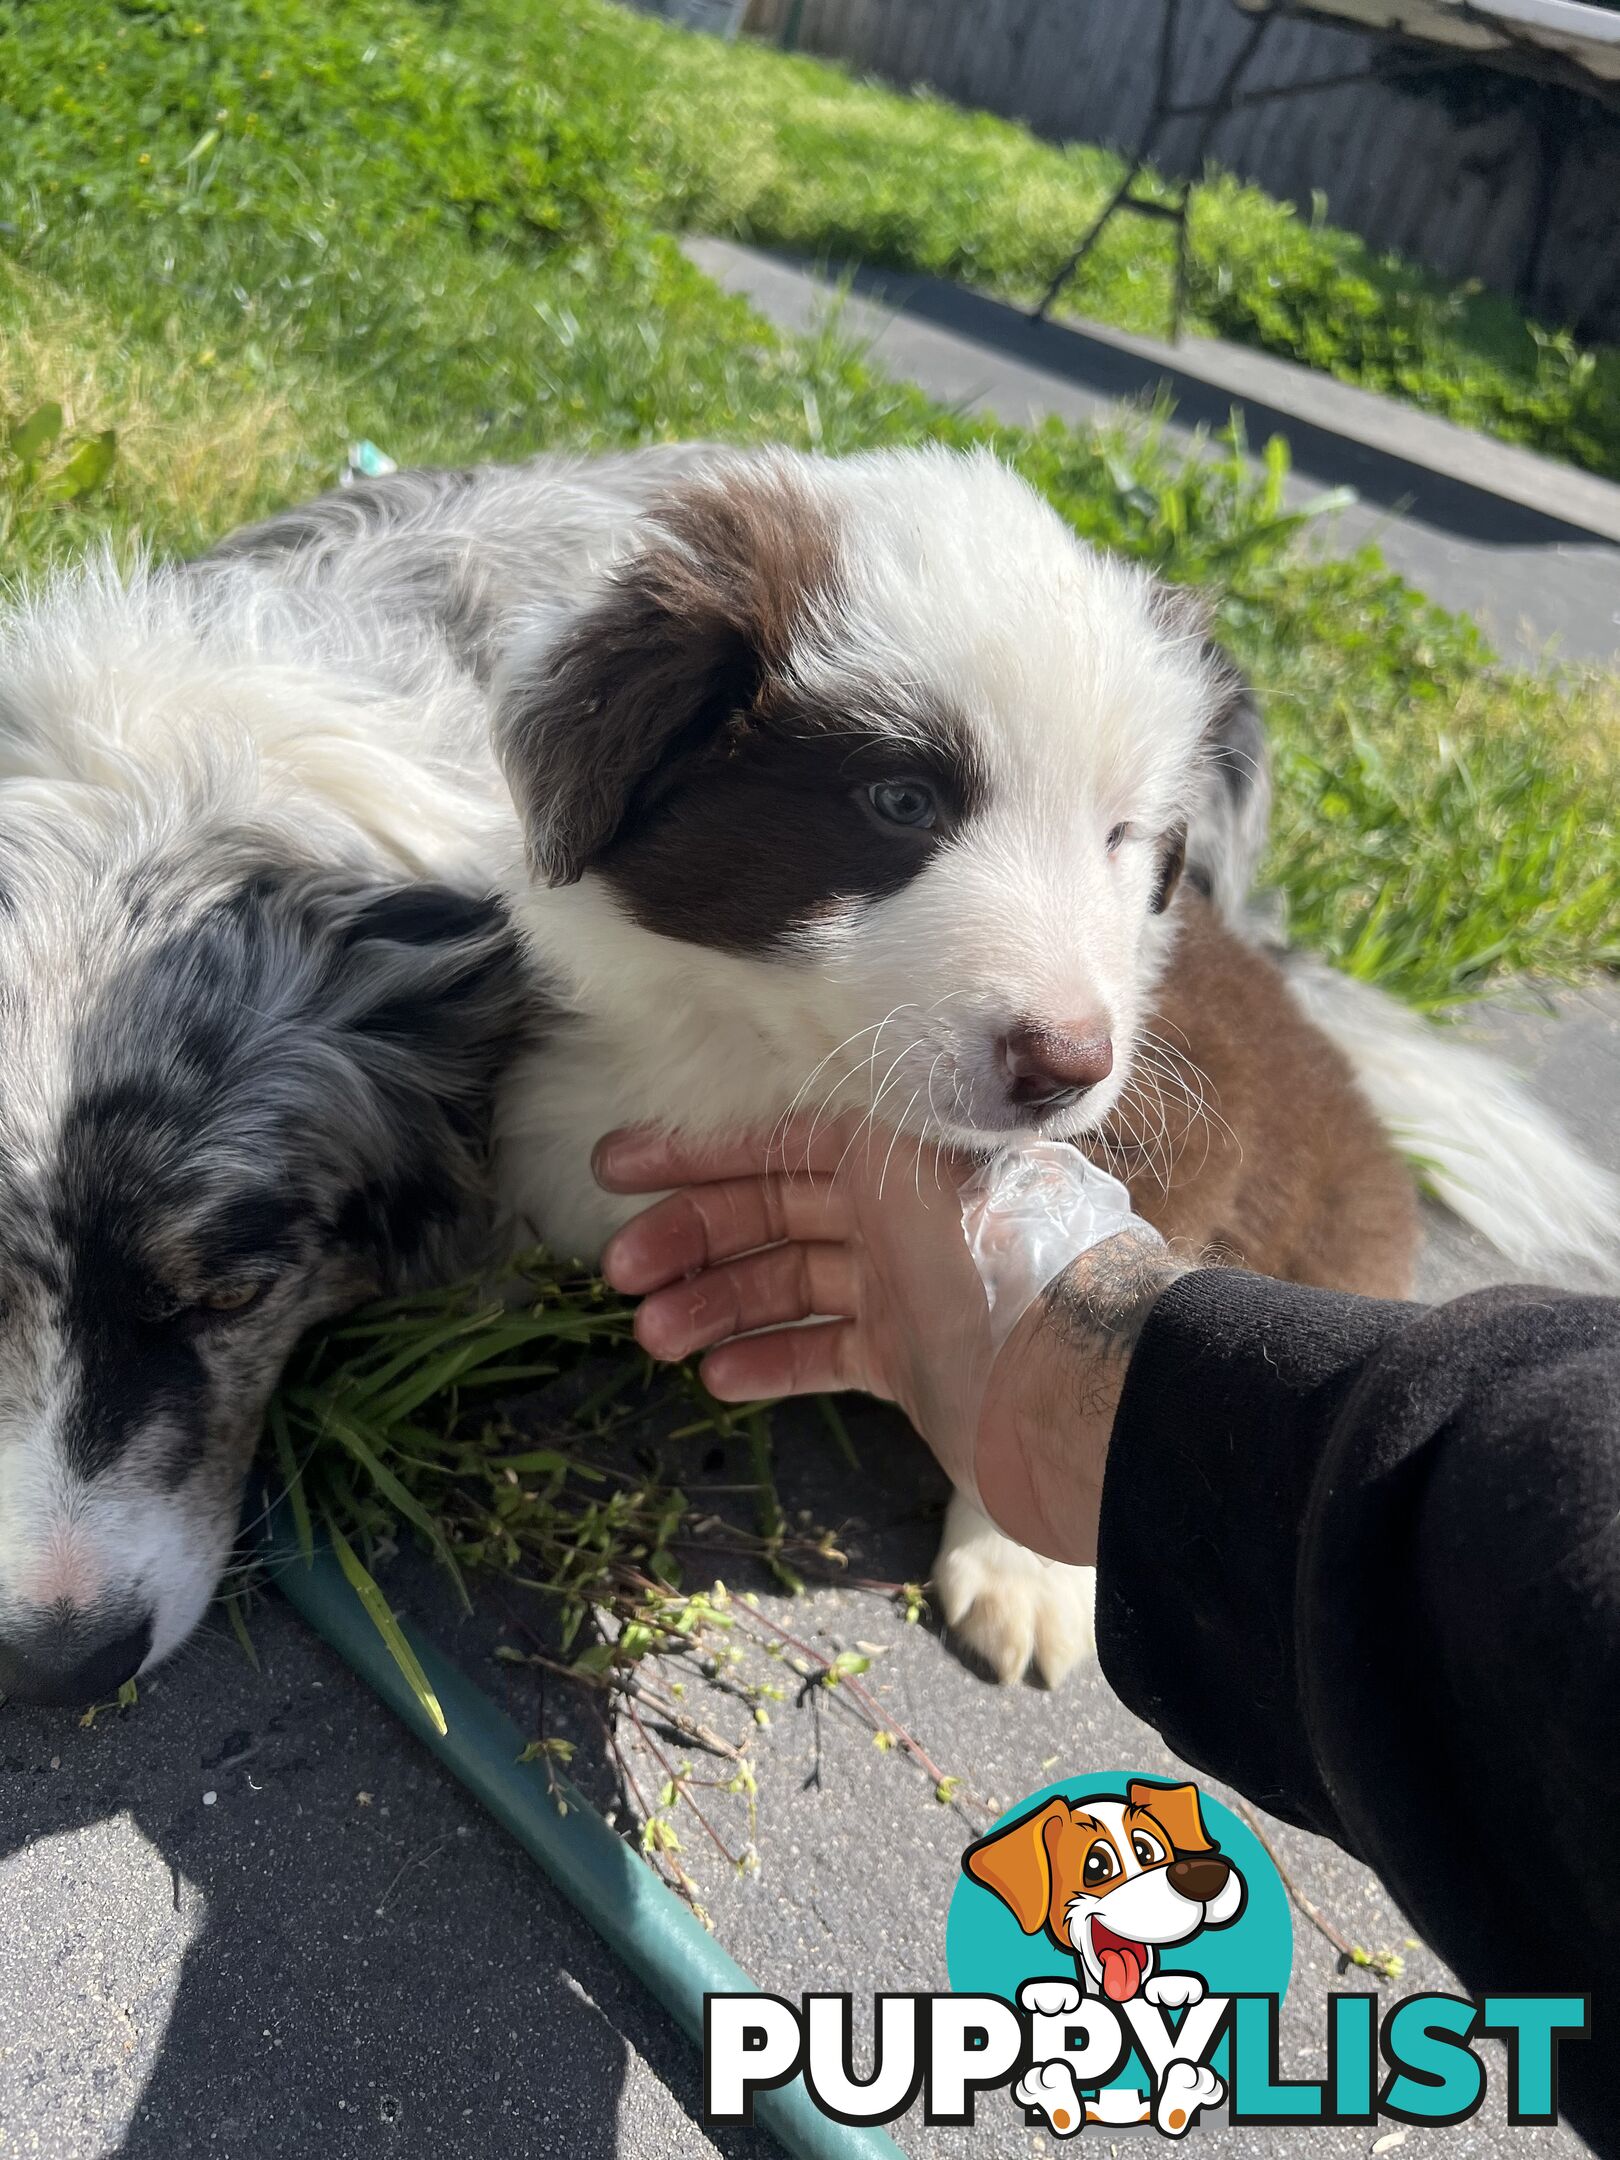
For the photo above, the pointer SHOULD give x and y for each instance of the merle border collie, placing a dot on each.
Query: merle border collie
(827, 782)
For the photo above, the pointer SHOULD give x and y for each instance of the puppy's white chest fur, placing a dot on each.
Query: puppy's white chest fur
(687, 1067)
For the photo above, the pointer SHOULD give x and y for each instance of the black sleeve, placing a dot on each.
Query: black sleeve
(1362, 1561)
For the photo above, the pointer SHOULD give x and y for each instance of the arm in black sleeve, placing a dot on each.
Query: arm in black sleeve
(1362, 1561)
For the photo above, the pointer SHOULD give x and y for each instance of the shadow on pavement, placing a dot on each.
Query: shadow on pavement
(336, 1952)
(1060, 348)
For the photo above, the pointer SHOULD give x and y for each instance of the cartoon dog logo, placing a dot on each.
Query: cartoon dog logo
(1114, 1881)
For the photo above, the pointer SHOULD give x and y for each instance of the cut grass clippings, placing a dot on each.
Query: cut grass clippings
(493, 1422)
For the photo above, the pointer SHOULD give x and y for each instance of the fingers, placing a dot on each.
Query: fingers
(644, 1159)
(800, 1361)
(707, 1224)
(766, 1289)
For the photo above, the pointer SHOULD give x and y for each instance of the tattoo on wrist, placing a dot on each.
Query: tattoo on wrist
(1097, 1308)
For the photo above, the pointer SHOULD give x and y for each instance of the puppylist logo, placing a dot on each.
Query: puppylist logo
(1118, 1949)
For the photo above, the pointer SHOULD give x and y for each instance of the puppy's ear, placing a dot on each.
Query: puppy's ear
(1172, 857)
(593, 724)
(1016, 1864)
(1230, 815)
(426, 995)
(1175, 1808)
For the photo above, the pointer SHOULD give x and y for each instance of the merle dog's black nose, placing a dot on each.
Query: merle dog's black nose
(63, 1667)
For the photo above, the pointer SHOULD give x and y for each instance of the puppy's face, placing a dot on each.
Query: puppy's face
(1113, 1880)
(909, 765)
(217, 1125)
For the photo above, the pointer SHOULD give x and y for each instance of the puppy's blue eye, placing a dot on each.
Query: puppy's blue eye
(1119, 834)
(904, 802)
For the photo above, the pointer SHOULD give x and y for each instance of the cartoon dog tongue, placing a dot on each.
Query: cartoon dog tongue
(1122, 1964)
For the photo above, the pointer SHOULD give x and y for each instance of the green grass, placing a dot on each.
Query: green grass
(237, 234)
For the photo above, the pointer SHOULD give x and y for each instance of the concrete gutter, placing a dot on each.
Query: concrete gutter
(1507, 470)
(1299, 398)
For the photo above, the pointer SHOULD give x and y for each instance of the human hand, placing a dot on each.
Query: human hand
(864, 1241)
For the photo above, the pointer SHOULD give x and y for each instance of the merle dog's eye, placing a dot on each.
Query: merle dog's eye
(1117, 837)
(904, 802)
(231, 1298)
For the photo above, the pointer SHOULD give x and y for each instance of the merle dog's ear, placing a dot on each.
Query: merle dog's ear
(430, 991)
(593, 723)
(427, 991)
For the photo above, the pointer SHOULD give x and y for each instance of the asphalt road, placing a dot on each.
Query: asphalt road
(252, 1918)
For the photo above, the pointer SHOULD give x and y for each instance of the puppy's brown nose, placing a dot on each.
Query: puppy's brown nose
(1200, 1878)
(1046, 1065)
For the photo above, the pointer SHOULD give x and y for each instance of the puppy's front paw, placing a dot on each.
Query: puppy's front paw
(1008, 1605)
(1050, 2088)
(1050, 1998)
(1187, 2087)
(1174, 1990)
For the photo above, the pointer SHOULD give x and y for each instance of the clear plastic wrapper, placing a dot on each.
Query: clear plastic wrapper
(1027, 1214)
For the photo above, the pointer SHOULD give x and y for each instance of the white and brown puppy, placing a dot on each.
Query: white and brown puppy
(860, 783)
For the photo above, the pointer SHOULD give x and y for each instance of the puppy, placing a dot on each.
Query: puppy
(254, 1006)
(863, 784)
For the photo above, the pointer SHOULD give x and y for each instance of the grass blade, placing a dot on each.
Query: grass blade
(380, 1614)
(398, 1495)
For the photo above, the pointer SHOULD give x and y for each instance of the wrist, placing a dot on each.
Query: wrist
(1099, 1305)
(1042, 1444)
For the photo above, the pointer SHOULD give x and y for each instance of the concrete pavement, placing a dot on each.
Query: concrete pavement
(1525, 545)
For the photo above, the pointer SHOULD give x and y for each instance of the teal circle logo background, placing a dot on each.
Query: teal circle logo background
(988, 1953)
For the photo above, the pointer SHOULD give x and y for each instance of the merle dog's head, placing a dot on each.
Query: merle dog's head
(875, 755)
(239, 1092)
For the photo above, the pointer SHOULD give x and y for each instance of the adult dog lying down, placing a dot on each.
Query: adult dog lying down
(845, 782)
